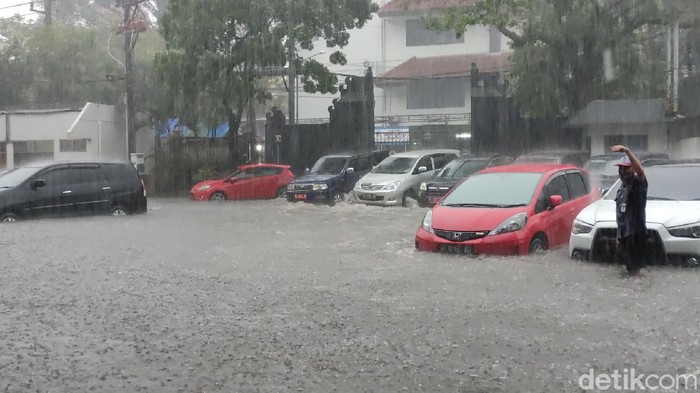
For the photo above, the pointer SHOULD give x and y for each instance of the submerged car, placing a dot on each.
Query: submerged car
(332, 176)
(71, 188)
(433, 190)
(508, 210)
(557, 157)
(253, 181)
(672, 218)
(398, 178)
(603, 170)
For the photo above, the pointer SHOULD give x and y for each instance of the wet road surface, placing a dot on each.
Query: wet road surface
(271, 296)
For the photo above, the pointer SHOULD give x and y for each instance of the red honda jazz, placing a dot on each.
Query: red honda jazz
(513, 209)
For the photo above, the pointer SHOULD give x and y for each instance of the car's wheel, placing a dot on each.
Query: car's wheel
(119, 210)
(9, 217)
(217, 197)
(335, 199)
(410, 194)
(282, 192)
(538, 244)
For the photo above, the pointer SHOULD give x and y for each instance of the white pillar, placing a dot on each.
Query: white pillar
(10, 159)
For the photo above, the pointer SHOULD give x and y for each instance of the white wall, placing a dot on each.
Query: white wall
(97, 124)
(686, 148)
(397, 96)
(476, 40)
(365, 45)
(658, 138)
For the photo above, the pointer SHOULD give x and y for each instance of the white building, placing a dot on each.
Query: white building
(61, 134)
(422, 77)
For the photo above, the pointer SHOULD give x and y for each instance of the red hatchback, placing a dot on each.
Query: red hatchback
(254, 181)
(513, 209)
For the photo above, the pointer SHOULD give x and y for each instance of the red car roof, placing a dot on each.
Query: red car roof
(246, 166)
(525, 168)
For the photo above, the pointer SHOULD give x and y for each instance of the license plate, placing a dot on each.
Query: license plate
(456, 249)
(368, 197)
(299, 196)
(434, 199)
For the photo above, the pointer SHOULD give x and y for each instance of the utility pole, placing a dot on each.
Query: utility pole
(291, 70)
(129, 28)
(46, 11)
(47, 8)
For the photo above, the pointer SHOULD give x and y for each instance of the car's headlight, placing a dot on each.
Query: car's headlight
(423, 186)
(511, 224)
(392, 186)
(203, 188)
(691, 230)
(427, 223)
(581, 227)
(290, 187)
(319, 187)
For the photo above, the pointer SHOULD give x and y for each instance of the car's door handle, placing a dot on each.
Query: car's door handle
(106, 188)
(67, 192)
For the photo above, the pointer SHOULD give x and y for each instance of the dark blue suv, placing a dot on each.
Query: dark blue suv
(333, 176)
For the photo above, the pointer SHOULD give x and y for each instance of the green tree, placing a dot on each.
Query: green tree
(569, 52)
(216, 51)
(67, 65)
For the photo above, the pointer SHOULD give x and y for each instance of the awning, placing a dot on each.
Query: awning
(454, 66)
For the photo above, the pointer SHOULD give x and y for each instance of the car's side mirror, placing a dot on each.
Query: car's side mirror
(306, 170)
(38, 184)
(350, 171)
(231, 180)
(422, 169)
(554, 201)
(604, 191)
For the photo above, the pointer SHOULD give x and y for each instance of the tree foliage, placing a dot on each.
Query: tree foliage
(560, 47)
(67, 65)
(216, 50)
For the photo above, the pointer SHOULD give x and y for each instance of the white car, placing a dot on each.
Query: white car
(672, 216)
(399, 176)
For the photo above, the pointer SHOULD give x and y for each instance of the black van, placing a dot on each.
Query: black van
(64, 189)
(333, 176)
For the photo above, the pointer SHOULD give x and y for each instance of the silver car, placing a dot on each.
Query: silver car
(398, 177)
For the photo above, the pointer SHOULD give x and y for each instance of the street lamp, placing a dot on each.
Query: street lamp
(296, 85)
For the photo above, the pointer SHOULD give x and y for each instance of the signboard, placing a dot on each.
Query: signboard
(392, 135)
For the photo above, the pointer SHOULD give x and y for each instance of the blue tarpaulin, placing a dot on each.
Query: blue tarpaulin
(173, 125)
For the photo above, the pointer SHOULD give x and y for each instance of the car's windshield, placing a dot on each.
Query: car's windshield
(395, 165)
(460, 169)
(495, 189)
(329, 165)
(674, 183)
(16, 176)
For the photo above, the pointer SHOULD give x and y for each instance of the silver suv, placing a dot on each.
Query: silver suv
(398, 177)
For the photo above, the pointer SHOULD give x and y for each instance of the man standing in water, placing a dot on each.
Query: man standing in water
(631, 201)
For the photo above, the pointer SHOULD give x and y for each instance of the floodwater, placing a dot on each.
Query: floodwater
(271, 296)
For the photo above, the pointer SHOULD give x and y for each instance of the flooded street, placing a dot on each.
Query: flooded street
(272, 296)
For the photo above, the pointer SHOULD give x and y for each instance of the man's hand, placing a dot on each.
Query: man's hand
(619, 149)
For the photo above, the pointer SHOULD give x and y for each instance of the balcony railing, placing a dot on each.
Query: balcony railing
(446, 118)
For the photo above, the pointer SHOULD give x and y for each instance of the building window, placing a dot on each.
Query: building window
(634, 142)
(418, 34)
(73, 145)
(436, 93)
(32, 151)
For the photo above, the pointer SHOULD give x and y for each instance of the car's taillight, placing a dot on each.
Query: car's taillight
(143, 185)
